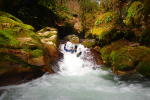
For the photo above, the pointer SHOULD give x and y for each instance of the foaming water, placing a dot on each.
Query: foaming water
(73, 65)
(77, 80)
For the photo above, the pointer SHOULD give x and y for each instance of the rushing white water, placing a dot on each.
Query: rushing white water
(77, 80)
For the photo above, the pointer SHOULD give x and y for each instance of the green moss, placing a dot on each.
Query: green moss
(4, 14)
(106, 35)
(134, 13)
(98, 31)
(107, 50)
(10, 23)
(11, 29)
(37, 53)
(121, 60)
(105, 29)
(105, 18)
(7, 38)
(128, 57)
(135, 8)
(12, 59)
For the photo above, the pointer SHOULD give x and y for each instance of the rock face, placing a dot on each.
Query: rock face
(25, 54)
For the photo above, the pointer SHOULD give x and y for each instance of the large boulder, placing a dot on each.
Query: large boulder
(23, 51)
(107, 50)
(127, 58)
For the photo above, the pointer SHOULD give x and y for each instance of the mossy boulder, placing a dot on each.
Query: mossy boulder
(134, 14)
(127, 58)
(107, 50)
(22, 49)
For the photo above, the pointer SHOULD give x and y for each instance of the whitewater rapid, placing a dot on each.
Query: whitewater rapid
(78, 79)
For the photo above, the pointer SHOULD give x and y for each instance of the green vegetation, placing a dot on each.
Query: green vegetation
(106, 18)
(87, 13)
(134, 14)
(7, 39)
(127, 58)
(4, 14)
(37, 53)
(107, 50)
(14, 60)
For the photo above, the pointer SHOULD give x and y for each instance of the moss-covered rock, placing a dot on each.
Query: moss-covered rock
(6, 22)
(107, 50)
(7, 39)
(127, 58)
(134, 14)
(22, 49)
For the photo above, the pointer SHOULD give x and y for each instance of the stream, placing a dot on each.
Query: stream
(79, 78)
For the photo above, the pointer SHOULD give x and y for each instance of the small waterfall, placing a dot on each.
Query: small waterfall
(72, 64)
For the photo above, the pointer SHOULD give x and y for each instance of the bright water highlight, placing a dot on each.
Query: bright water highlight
(77, 80)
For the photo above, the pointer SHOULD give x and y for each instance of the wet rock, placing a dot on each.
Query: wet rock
(23, 51)
(38, 61)
(72, 38)
(47, 31)
(51, 54)
(97, 57)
